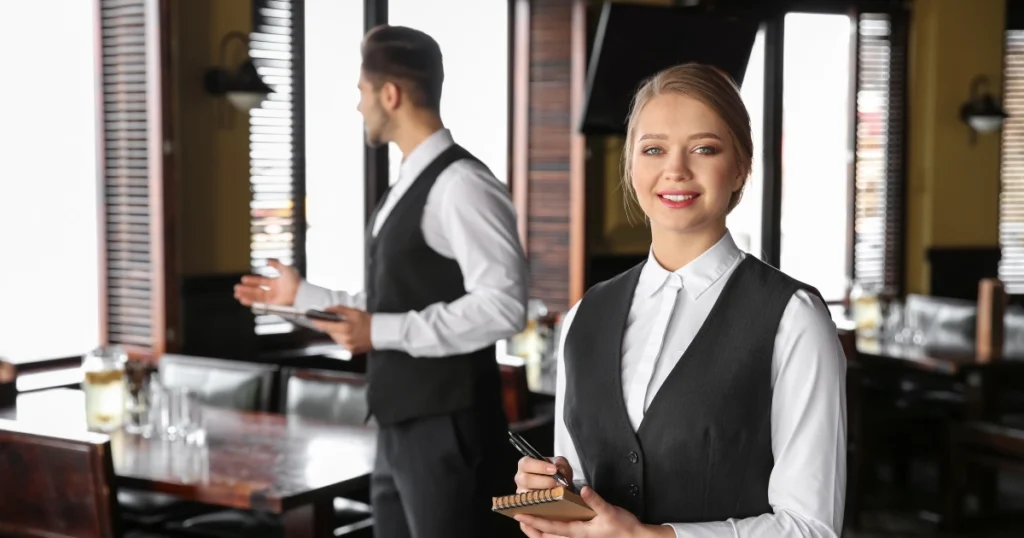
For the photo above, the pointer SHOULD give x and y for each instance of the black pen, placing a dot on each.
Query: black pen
(527, 450)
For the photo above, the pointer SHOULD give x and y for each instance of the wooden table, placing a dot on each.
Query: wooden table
(912, 357)
(984, 382)
(275, 463)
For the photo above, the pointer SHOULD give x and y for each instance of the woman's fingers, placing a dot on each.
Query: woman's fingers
(535, 474)
(530, 465)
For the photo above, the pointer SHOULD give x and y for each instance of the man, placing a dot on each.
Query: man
(445, 279)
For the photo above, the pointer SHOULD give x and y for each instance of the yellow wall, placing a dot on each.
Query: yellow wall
(613, 229)
(953, 187)
(212, 161)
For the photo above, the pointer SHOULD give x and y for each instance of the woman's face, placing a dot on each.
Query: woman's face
(684, 165)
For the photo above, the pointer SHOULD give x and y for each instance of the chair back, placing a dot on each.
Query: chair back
(338, 397)
(947, 324)
(56, 484)
(246, 386)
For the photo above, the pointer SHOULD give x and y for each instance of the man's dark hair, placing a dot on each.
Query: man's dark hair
(407, 58)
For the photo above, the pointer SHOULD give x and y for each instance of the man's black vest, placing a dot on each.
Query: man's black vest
(403, 273)
(703, 450)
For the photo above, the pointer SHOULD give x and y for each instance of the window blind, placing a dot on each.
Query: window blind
(132, 169)
(276, 144)
(1011, 171)
(879, 151)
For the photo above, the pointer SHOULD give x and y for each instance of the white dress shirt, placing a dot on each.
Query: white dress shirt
(469, 218)
(808, 417)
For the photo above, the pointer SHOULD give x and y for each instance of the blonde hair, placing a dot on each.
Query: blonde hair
(714, 89)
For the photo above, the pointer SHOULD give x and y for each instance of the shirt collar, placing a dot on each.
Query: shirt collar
(420, 157)
(697, 276)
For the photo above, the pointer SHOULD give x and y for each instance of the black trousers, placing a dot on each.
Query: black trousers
(435, 476)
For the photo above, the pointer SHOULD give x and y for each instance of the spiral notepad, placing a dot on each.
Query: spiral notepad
(558, 504)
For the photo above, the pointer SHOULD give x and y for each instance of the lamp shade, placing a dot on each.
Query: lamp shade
(982, 113)
(243, 88)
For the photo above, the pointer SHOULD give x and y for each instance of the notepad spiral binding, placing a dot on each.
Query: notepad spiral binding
(519, 500)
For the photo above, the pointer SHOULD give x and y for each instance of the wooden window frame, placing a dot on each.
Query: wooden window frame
(892, 277)
(1011, 188)
(115, 111)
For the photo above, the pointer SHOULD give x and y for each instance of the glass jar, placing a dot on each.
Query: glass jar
(104, 388)
(867, 311)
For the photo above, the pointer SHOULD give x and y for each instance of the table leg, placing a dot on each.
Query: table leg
(983, 403)
(310, 520)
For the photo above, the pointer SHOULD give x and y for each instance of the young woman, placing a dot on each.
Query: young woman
(701, 393)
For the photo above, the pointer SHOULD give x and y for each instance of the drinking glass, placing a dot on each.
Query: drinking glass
(138, 382)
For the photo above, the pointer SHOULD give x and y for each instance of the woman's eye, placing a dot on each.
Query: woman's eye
(705, 150)
(653, 151)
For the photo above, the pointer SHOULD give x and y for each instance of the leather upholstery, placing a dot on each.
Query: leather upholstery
(949, 325)
(221, 383)
(336, 397)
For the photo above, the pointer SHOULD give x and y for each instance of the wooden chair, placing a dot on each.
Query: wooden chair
(338, 397)
(330, 396)
(56, 484)
(986, 445)
(8, 384)
(514, 391)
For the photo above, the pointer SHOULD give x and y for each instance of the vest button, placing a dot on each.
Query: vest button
(634, 457)
(634, 490)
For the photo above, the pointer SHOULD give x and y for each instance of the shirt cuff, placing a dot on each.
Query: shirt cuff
(710, 529)
(306, 296)
(386, 331)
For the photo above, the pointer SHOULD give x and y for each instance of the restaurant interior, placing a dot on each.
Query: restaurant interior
(200, 138)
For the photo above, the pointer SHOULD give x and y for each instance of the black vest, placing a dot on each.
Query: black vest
(703, 451)
(403, 273)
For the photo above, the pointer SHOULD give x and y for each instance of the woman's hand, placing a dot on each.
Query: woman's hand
(537, 474)
(610, 522)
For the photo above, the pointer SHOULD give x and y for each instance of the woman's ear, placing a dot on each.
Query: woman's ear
(741, 180)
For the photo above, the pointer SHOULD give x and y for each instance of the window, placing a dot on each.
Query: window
(335, 211)
(815, 151)
(307, 144)
(56, 264)
(277, 144)
(745, 220)
(1011, 197)
(138, 275)
(879, 172)
(474, 102)
(843, 151)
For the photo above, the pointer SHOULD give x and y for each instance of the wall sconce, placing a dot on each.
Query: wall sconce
(243, 87)
(982, 113)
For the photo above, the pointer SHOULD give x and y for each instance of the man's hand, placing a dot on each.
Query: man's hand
(276, 291)
(610, 522)
(353, 334)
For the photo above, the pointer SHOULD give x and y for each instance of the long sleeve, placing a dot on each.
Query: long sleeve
(468, 217)
(563, 442)
(312, 296)
(808, 481)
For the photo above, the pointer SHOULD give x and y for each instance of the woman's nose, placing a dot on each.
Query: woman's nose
(677, 167)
